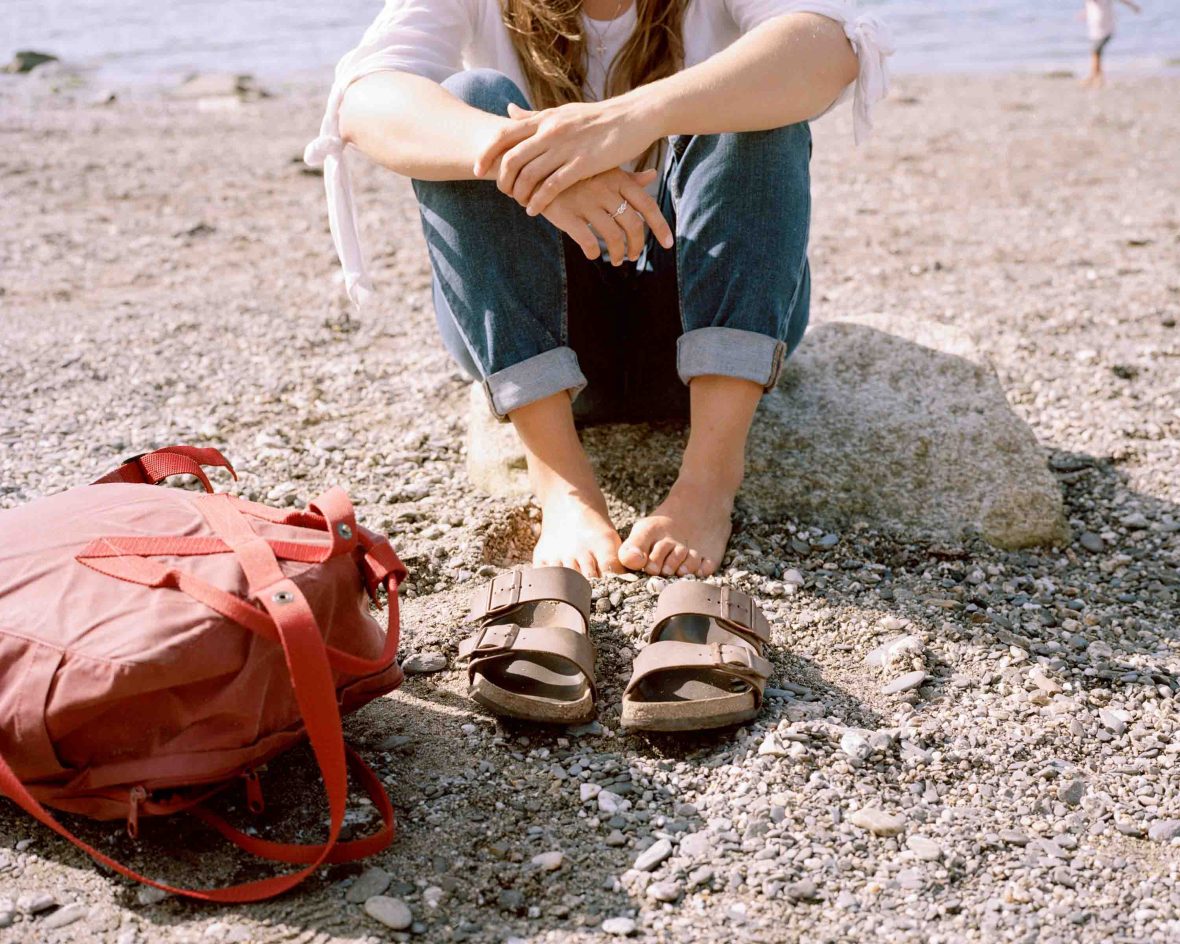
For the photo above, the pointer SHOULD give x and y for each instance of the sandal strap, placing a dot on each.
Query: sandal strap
(736, 659)
(736, 610)
(530, 585)
(508, 639)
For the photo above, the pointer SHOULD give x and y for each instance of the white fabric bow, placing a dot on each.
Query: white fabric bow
(873, 45)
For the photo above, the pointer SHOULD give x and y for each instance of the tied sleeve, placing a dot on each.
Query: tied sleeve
(869, 38)
(423, 37)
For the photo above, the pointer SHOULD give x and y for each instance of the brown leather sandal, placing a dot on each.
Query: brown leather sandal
(531, 656)
(703, 666)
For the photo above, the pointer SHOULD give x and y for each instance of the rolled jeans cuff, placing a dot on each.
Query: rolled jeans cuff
(730, 352)
(534, 379)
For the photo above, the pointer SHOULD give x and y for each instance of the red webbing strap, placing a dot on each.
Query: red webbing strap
(152, 467)
(298, 854)
(315, 693)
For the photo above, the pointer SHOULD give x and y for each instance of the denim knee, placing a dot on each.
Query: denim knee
(485, 89)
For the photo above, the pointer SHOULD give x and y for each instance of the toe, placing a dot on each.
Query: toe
(674, 559)
(588, 565)
(631, 555)
(690, 565)
(659, 554)
(708, 567)
(608, 563)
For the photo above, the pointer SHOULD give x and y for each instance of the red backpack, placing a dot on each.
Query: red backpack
(158, 645)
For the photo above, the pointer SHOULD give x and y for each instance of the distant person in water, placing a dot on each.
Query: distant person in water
(1100, 22)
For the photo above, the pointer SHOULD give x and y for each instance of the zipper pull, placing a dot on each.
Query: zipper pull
(138, 795)
(254, 801)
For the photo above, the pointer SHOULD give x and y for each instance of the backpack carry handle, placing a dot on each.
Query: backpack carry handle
(148, 468)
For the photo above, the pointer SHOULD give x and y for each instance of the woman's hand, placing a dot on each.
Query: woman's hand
(543, 153)
(588, 207)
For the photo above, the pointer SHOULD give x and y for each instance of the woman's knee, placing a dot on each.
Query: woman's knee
(485, 89)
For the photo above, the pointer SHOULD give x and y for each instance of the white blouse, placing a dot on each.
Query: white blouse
(437, 38)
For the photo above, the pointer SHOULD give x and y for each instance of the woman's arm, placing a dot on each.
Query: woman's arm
(787, 70)
(415, 127)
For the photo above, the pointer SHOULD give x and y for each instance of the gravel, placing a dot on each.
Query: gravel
(127, 325)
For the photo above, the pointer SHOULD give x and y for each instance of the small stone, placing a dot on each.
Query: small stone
(855, 745)
(804, 890)
(391, 912)
(876, 821)
(150, 895)
(610, 803)
(1013, 837)
(1070, 792)
(924, 848)
(33, 903)
(370, 883)
(7, 917)
(511, 900)
(65, 915)
(894, 650)
(665, 891)
(421, 663)
(846, 901)
(1091, 542)
(657, 585)
(794, 577)
(697, 845)
(432, 897)
(701, 875)
(615, 839)
(1164, 830)
(548, 861)
(619, 927)
(1111, 721)
(1045, 682)
(904, 683)
(653, 855)
(590, 729)
(26, 60)
(828, 540)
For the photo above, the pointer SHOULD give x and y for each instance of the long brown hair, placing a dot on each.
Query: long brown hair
(552, 48)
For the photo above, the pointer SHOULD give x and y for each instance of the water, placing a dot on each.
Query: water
(132, 41)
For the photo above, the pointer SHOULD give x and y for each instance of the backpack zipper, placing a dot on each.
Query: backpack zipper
(138, 795)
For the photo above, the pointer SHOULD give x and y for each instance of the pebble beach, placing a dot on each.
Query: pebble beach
(960, 743)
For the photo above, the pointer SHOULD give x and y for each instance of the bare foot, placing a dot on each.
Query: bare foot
(686, 534)
(576, 532)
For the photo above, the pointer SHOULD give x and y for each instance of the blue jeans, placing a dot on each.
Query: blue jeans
(522, 310)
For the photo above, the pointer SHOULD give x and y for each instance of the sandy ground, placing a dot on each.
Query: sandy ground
(166, 275)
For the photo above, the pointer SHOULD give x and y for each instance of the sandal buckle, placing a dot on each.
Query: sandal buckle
(734, 655)
(496, 637)
(505, 585)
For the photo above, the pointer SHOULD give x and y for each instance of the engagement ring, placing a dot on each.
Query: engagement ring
(623, 208)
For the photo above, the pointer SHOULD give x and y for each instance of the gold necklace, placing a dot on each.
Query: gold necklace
(600, 48)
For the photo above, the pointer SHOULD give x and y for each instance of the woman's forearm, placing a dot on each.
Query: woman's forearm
(415, 127)
(787, 70)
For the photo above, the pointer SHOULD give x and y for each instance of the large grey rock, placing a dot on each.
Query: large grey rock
(897, 423)
(900, 423)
